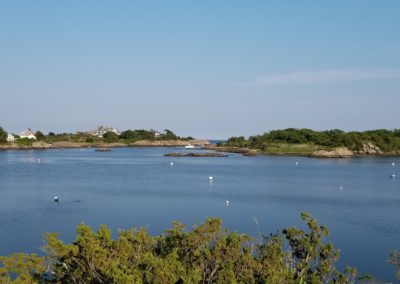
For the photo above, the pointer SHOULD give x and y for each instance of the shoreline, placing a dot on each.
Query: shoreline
(205, 144)
(38, 145)
(332, 154)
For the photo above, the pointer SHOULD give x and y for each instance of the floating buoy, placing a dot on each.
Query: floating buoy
(171, 163)
(38, 160)
(210, 178)
(56, 199)
(393, 176)
(227, 203)
(393, 164)
(297, 163)
(340, 187)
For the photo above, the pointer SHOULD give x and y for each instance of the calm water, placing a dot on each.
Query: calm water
(138, 187)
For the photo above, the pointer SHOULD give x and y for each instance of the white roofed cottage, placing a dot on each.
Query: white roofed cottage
(28, 133)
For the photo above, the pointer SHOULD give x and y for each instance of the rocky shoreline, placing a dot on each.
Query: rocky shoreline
(40, 145)
(340, 152)
(199, 155)
(368, 149)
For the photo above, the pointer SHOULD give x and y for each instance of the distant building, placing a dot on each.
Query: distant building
(101, 130)
(10, 138)
(28, 134)
(155, 133)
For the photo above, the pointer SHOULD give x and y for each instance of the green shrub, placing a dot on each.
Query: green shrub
(25, 142)
(206, 254)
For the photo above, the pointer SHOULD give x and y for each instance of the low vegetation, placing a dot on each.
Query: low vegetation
(206, 254)
(25, 142)
(276, 141)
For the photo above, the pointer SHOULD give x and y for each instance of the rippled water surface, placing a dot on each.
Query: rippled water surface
(138, 187)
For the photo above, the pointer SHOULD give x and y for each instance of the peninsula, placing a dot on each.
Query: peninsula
(102, 137)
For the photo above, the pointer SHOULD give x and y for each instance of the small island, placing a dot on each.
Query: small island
(319, 144)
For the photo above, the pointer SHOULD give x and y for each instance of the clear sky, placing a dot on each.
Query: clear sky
(210, 69)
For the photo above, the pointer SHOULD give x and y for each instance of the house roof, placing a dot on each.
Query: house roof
(27, 132)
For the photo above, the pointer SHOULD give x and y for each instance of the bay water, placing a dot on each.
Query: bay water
(356, 198)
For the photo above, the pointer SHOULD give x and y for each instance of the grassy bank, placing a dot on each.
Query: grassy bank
(292, 149)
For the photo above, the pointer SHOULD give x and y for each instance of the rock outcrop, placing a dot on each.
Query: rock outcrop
(41, 145)
(251, 152)
(213, 155)
(341, 152)
(370, 149)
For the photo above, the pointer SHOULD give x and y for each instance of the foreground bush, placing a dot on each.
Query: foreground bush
(206, 254)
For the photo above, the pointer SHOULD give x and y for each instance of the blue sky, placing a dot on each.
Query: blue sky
(210, 69)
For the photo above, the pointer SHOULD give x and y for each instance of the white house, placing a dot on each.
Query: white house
(28, 134)
(101, 130)
(155, 133)
(10, 138)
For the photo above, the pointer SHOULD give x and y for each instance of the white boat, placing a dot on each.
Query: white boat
(189, 147)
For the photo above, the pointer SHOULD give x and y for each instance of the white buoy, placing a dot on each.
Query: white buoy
(56, 199)
(393, 164)
(297, 163)
(340, 187)
(171, 163)
(393, 176)
(227, 203)
(38, 160)
(210, 178)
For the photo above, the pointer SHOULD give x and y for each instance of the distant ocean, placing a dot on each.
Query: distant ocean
(215, 141)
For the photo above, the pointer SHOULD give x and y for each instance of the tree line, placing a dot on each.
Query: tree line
(108, 137)
(386, 140)
(206, 254)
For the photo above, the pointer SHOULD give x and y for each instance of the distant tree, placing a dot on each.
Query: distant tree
(169, 135)
(51, 134)
(237, 142)
(110, 137)
(128, 134)
(39, 135)
(3, 135)
(134, 135)
(89, 140)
